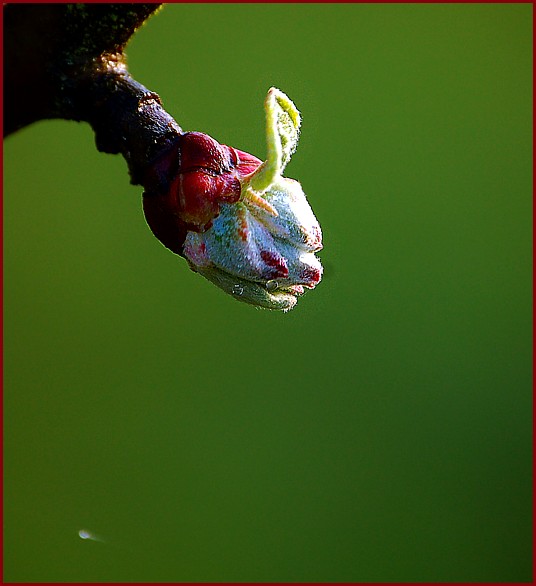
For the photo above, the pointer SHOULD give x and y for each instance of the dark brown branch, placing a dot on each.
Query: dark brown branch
(127, 118)
(67, 61)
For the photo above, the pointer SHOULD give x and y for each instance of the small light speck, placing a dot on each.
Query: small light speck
(85, 534)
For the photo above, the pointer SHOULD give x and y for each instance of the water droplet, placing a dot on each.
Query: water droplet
(272, 285)
(85, 534)
(238, 289)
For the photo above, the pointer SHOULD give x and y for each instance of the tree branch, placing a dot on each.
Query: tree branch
(67, 61)
(236, 220)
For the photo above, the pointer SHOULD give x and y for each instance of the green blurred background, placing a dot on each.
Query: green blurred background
(381, 431)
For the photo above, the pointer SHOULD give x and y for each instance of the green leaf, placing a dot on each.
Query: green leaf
(282, 132)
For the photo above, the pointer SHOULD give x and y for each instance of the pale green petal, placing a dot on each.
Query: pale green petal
(247, 291)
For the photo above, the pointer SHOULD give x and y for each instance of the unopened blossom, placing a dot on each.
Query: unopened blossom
(237, 220)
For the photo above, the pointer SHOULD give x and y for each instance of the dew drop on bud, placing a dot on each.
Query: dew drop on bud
(271, 285)
(238, 290)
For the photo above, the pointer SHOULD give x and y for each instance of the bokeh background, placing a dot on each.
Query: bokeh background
(381, 431)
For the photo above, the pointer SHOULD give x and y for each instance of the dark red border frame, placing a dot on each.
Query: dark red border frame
(534, 283)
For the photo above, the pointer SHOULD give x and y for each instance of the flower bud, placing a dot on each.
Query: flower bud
(238, 221)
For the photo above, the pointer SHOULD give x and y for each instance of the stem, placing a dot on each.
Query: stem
(127, 117)
(67, 61)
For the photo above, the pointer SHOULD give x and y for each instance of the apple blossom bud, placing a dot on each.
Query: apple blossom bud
(238, 221)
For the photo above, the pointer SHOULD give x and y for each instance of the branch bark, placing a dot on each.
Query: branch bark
(67, 61)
